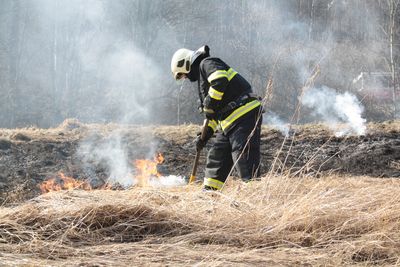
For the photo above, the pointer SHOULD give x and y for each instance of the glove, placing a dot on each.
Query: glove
(200, 144)
(210, 114)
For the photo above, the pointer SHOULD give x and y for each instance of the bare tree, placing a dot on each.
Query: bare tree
(13, 52)
(393, 5)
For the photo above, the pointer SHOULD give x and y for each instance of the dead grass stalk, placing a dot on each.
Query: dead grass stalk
(328, 221)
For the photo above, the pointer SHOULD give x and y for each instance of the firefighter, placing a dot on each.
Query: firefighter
(233, 110)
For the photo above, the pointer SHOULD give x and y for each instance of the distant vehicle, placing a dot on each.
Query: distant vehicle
(376, 87)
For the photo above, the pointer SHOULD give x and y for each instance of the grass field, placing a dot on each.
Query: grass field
(279, 220)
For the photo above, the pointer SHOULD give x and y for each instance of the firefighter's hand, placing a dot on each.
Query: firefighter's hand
(210, 116)
(200, 144)
(210, 113)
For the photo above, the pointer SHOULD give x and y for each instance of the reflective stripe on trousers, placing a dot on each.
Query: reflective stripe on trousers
(214, 183)
(228, 149)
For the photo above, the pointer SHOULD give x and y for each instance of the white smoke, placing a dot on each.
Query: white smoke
(167, 181)
(111, 154)
(349, 110)
(273, 120)
(126, 78)
(342, 112)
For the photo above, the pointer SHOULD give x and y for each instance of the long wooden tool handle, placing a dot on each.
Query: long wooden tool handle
(196, 160)
(194, 169)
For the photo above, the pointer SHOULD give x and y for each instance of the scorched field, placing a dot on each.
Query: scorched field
(111, 195)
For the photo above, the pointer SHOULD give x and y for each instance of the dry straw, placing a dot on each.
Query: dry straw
(278, 220)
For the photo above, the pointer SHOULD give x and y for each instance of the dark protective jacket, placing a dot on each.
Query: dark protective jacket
(226, 94)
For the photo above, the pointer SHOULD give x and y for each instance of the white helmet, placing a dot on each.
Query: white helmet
(181, 62)
(183, 59)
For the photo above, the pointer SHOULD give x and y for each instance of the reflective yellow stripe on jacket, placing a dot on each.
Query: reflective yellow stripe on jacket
(217, 95)
(214, 183)
(229, 74)
(239, 112)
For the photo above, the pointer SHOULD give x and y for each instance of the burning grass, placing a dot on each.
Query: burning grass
(276, 221)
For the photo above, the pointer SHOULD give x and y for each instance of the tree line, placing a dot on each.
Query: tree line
(108, 61)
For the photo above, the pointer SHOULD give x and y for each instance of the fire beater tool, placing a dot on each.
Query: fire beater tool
(196, 160)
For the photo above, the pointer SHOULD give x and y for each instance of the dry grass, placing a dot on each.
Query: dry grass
(277, 221)
(73, 129)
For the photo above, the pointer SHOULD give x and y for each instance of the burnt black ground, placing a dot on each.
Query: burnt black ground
(29, 156)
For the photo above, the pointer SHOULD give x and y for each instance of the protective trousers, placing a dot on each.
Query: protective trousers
(234, 148)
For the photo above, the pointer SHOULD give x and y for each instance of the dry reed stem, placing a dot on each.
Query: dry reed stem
(296, 221)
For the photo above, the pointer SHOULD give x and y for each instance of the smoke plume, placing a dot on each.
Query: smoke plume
(110, 154)
(274, 121)
(337, 110)
(113, 156)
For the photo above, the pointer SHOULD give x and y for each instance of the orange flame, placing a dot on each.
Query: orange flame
(63, 182)
(147, 168)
